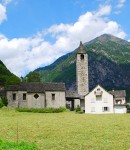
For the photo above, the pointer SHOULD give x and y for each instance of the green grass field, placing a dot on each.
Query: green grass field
(67, 130)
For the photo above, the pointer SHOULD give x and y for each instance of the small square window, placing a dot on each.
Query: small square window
(92, 100)
(92, 109)
(53, 96)
(105, 109)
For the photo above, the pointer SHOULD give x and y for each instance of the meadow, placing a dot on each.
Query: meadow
(66, 130)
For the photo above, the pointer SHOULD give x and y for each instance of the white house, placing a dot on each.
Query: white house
(99, 101)
(119, 101)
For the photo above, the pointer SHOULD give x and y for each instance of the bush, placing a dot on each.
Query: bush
(1, 104)
(4, 100)
(78, 108)
(41, 110)
(5, 145)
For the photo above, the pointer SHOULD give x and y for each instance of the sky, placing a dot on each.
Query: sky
(34, 33)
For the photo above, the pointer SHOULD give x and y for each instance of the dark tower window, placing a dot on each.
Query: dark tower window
(82, 57)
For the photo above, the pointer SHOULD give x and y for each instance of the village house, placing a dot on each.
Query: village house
(36, 95)
(99, 101)
(119, 100)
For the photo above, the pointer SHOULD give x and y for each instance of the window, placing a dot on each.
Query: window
(105, 100)
(118, 101)
(53, 96)
(98, 97)
(105, 109)
(82, 57)
(92, 100)
(24, 96)
(14, 96)
(36, 96)
(92, 109)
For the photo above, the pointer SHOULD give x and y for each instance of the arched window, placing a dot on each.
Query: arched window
(82, 57)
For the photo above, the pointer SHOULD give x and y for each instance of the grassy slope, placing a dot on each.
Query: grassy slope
(67, 131)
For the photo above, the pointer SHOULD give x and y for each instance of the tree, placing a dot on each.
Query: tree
(33, 77)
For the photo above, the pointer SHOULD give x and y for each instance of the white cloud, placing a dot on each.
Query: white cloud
(120, 3)
(104, 10)
(2, 13)
(3, 5)
(21, 55)
(6, 2)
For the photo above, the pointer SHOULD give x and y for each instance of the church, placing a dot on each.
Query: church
(98, 101)
(43, 95)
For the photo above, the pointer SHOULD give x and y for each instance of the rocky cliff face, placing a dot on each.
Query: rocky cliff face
(109, 64)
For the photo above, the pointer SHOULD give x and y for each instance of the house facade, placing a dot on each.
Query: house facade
(36, 95)
(119, 101)
(99, 101)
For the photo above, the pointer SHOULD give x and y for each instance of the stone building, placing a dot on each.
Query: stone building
(36, 95)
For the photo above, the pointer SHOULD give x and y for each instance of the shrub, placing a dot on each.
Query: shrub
(4, 100)
(78, 108)
(41, 110)
(1, 104)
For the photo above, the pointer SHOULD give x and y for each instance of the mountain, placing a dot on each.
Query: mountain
(109, 64)
(6, 77)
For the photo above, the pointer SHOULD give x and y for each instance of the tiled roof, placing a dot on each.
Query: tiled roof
(72, 94)
(37, 87)
(118, 93)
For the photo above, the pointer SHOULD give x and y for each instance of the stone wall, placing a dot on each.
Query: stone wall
(59, 100)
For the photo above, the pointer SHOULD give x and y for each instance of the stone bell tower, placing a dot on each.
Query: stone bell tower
(82, 71)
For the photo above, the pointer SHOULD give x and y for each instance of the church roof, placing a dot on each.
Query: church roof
(72, 94)
(37, 87)
(81, 49)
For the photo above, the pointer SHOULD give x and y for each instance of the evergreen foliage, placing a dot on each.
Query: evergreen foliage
(6, 77)
(33, 77)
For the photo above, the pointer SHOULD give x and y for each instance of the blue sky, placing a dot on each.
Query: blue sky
(35, 33)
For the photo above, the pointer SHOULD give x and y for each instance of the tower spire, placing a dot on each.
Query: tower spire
(81, 49)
